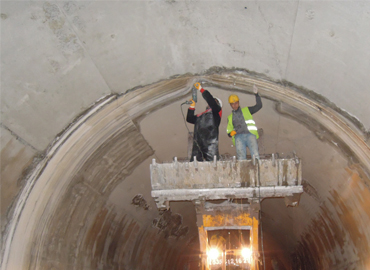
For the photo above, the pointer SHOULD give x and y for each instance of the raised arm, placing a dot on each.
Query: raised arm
(258, 106)
(208, 98)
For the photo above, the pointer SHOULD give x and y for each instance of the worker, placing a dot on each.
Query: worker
(206, 124)
(242, 128)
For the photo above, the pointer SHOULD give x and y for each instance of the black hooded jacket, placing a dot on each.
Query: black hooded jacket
(206, 124)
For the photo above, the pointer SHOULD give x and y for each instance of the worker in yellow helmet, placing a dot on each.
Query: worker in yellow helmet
(242, 128)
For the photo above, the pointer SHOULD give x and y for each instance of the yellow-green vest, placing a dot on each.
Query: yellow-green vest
(248, 120)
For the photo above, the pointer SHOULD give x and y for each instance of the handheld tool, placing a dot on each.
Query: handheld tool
(194, 94)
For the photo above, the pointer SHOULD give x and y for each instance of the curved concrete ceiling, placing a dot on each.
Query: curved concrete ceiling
(70, 170)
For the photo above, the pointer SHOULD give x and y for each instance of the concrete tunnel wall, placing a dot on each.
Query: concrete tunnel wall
(71, 208)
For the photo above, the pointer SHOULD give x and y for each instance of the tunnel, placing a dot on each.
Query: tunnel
(93, 91)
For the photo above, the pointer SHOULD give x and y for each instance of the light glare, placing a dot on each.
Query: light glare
(213, 253)
(247, 254)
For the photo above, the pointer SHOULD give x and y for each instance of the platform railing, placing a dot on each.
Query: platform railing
(213, 180)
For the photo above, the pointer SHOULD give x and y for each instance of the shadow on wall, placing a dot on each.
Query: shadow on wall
(170, 225)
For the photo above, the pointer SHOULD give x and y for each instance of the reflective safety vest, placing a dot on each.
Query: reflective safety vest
(248, 120)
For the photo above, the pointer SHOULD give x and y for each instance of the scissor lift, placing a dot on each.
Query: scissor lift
(227, 195)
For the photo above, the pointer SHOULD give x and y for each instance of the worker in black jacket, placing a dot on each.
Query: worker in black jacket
(205, 141)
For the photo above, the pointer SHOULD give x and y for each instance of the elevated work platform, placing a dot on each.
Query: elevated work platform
(231, 179)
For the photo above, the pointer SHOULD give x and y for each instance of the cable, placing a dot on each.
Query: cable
(260, 212)
(183, 116)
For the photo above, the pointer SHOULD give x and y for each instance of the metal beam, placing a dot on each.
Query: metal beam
(161, 196)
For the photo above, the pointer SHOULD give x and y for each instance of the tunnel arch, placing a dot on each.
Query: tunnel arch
(65, 196)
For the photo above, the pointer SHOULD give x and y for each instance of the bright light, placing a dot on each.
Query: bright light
(247, 254)
(213, 254)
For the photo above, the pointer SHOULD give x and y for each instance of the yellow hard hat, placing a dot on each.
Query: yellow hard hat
(233, 98)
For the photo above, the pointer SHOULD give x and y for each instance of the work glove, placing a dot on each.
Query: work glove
(255, 89)
(192, 105)
(232, 133)
(198, 86)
